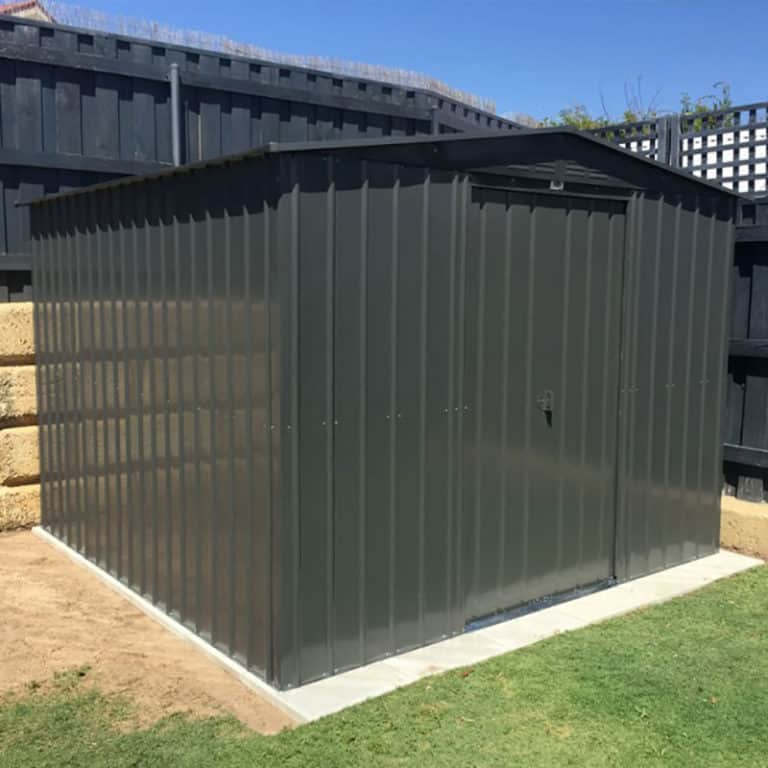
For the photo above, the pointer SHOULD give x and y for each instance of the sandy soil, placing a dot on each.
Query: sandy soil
(54, 616)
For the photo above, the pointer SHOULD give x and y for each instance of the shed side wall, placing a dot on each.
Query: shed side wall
(156, 396)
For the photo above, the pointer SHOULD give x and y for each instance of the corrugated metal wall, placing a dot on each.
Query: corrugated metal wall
(369, 537)
(400, 406)
(155, 365)
(676, 295)
(542, 314)
(323, 408)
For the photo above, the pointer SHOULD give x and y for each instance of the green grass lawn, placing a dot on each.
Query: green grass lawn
(682, 684)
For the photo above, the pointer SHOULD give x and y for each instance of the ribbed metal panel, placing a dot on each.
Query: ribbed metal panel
(156, 357)
(676, 299)
(322, 406)
(539, 485)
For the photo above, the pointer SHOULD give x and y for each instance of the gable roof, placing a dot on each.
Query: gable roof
(548, 152)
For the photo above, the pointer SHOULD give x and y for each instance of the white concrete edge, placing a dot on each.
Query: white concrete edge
(337, 692)
(248, 679)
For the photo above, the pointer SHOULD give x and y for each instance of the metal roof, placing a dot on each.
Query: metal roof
(471, 151)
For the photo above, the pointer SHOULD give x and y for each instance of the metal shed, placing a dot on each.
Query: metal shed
(324, 402)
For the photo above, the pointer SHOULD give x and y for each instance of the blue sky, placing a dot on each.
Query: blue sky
(529, 56)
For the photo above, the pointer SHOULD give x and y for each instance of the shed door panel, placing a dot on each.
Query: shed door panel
(542, 314)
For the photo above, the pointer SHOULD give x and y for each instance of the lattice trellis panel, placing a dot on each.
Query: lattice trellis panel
(728, 147)
(646, 138)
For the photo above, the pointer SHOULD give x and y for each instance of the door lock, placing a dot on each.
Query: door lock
(546, 401)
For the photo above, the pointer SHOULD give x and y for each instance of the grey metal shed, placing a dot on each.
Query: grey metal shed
(324, 402)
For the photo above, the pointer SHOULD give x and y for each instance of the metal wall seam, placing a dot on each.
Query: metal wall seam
(129, 407)
(115, 473)
(74, 365)
(86, 374)
(624, 422)
(607, 486)
(152, 530)
(585, 380)
(197, 288)
(476, 403)
(213, 574)
(62, 522)
(86, 356)
(653, 336)
(362, 393)
(505, 364)
(562, 393)
(249, 264)
(528, 384)
(40, 368)
(65, 330)
(53, 358)
(422, 407)
(272, 368)
(291, 423)
(107, 516)
(233, 481)
(393, 405)
(450, 484)
(58, 336)
(169, 498)
(459, 403)
(684, 491)
(90, 423)
(46, 265)
(632, 383)
(40, 271)
(141, 299)
(331, 417)
(183, 503)
(670, 362)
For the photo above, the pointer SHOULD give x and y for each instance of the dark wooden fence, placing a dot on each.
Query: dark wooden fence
(746, 438)
(78, 107)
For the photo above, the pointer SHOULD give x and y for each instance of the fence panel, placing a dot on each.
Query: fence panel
(78, 106)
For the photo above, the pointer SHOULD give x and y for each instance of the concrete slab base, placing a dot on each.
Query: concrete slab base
(340, 691)
(316, 700)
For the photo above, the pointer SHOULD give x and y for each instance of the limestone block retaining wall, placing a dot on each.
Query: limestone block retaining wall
(744, 526)
(19, 463)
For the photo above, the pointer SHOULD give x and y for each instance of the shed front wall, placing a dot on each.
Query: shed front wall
(368, 540)
(380, 553)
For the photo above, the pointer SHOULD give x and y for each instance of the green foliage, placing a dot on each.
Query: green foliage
(678, 685)
(578, 116)
(714, 102)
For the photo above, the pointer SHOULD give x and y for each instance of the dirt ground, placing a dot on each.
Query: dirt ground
(54, 616)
